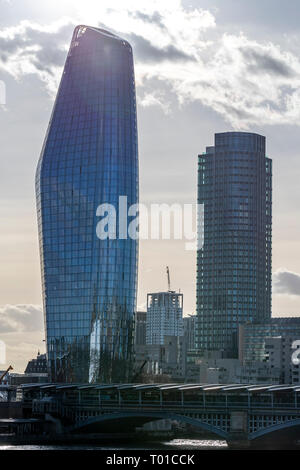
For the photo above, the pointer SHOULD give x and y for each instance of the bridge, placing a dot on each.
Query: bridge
(243, 415)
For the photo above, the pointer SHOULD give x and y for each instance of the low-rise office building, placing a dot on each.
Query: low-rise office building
(252, 336)
(167, 360)
(279, 355)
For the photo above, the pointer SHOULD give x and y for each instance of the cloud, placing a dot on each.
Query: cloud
(286, 282)
(154, 18)
(145, 51)
(21, 348)
(21, 318)
(220, 79)
(182, 49)
(155, 99)
(262, 62)
(30, 48)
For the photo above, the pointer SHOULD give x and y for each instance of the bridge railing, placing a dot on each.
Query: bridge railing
(55, 405)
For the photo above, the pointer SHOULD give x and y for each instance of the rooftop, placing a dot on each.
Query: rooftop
(166, 387)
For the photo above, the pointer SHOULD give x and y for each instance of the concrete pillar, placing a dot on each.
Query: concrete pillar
(57, 424)
(239, 421)
(238, 436)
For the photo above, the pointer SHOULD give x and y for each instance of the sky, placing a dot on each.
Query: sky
(202, 66)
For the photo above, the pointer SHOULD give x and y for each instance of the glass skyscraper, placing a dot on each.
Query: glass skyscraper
(89, 158)
(234, 265)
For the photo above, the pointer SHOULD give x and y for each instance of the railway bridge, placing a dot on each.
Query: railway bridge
(243, 415)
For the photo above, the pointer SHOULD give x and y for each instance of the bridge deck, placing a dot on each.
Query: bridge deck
(233, 396)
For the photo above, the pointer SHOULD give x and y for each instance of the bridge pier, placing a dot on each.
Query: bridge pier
(238, 441)
(238, 436)
(56, 424)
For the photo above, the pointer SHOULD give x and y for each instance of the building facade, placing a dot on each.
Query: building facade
(140, 328)
(165, 361)
(168, 359)
(38, 365)
(279, 350)
(232, 371)
(164, 316)
(253, 337)
(89, 159)
(234, 265)
(189, 328)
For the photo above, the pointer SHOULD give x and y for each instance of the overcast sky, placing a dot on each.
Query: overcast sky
(202, 66)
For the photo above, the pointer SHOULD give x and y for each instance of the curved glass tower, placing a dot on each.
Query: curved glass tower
(89, 158)
(234, 265)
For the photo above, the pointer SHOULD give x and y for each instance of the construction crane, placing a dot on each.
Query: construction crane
(139, 372)
(169, 282)
(6, 372)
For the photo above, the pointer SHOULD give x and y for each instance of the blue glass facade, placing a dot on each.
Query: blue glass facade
(89, 158)
(234, 265)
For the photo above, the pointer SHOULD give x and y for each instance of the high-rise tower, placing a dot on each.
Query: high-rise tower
(164, 316)
(89, 158)
(234, 265)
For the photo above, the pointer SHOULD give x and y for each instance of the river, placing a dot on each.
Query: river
(180, 444)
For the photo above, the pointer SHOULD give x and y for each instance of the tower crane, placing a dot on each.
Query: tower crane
(169, 282)
(6, 372)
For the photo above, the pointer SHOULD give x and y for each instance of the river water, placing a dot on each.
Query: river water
(174, 444)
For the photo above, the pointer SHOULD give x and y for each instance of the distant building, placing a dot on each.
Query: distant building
(253, 336)
(229, 371)
(38, 365)
(189, 325)
(257, 373)
(167, 359)
(164, 316)
(140, 328)
(278, 353)
(234, 264)
(19, 379)
(35, 372)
